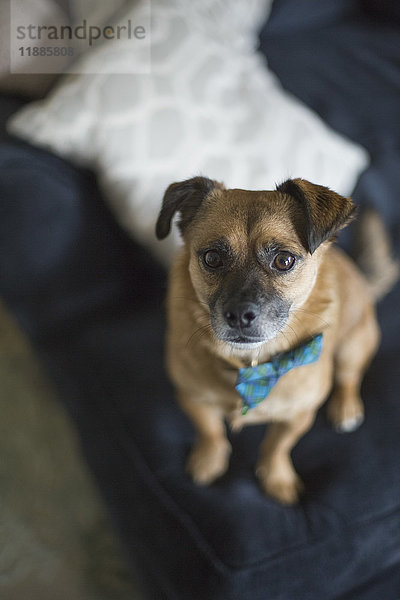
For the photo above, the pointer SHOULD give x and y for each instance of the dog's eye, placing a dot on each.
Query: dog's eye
(283, 261)
(212, 259)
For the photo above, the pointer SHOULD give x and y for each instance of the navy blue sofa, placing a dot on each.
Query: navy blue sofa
(91, 301)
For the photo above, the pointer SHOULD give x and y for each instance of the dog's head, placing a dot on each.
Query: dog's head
(254, 255)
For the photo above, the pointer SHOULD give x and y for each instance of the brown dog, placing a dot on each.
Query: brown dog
(256, 278)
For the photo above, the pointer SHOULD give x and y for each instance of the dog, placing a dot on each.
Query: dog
(267, 319)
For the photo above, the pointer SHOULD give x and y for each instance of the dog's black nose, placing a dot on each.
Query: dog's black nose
(241, 316)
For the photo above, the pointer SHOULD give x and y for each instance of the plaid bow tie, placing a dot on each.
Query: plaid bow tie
(255, 383)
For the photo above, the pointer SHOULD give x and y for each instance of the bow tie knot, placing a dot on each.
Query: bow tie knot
(255, 383)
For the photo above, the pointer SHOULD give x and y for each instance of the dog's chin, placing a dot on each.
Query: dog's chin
(243, 342)
(245, 345)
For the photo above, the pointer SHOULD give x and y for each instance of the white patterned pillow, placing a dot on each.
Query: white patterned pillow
(209, 106)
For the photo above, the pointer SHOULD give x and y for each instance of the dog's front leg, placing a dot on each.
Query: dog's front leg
(275, 468)
(209, 457)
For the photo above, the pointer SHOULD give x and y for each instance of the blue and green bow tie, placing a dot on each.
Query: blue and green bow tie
(255, 383)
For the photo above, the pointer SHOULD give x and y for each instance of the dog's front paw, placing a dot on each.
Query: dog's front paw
(345, 412)
(208, 461)
(286, 487)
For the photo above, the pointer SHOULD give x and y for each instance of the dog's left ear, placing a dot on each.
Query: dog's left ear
(325, 212)
(184, 197)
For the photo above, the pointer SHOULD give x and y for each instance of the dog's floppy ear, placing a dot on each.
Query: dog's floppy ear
(184, 197)
(325, 212)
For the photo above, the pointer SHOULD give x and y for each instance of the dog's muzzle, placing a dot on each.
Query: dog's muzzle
(245, 322)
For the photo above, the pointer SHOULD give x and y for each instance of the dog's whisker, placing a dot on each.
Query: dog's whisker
(310, 314)
(199, 332)
(288, 341)
(295, 335)
(187, 299)
(259, 354)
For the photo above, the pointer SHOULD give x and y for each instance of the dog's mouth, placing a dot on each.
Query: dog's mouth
(239, 339)
(244, 342)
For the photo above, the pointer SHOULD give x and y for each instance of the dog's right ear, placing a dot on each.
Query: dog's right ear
(324, 211)
(184, 197)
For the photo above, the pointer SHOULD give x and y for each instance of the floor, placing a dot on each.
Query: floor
(56, 541)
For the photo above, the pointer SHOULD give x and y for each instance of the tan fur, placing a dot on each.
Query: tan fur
(327, 294)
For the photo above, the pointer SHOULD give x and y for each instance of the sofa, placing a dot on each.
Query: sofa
(91, 300)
